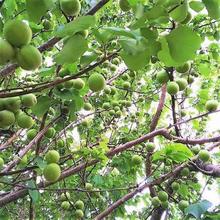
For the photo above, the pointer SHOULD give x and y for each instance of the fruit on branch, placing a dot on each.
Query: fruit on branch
(112, 112)
(113, 91)
(52, 156)
(124, 5)
(52, 172)
(126, 85)
(150, 147)
(79, 204)
(165, 204)
(60, 143)
(163, 196)
(184, 68)
(183, 113)
(185, 172)
(162, 77)
(175, 186)
(24, 120)
(88, 186)
(7, 118)
(183, 204)
(211, 105)
(136, 159)
(29, 100)
(70, 7)
(195, 149)
(96, 82)
(87, 106)
(68, 84)
(48, 25)
(182, 83)
(106, 105)
(107, 90)
(12, 104)
(7, 52)
(155, 202)
(116, 61)
(17, 33)
(204, 155)
(29, 58)
(79, 213)
(31, 134)
(78, 84)
(190, 79)
(113, 68)
(65, 196)
(1, 162)
(125, 76)
(65, 205)
(172, 88)
(50, 132)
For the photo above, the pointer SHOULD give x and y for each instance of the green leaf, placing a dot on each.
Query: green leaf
(197, 6)
(198, 209)
(43, 104)
(115, 31)
(183, 43)
(73, 49)
(213, 8)
(88, 58)
(35, 195)
(37, 8)
(79, 24)
(158, 14)
(180, 13)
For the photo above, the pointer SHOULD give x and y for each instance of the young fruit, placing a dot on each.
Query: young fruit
(17, 33)
(183, 204)
(165, 204)
(24, 121)
(52, 156)
(78, 84)
(126, 85)
(185, 172)
(162, 77)
(112, 112)
(1, 162)
(118, 114)
(88, 186)
(106, 105)
(65, 205)
(155, 202)
(7, 118)
(136, 159)
(204, 155)
(87, 106)
(107, 90)
(60, 143)
(190, 79)
(182, 83)
(52, 172)
(113, 91)
(96, 82)
(70, 7)
(79, 204)
(31, 134)
(50, 133)
(172, 88)
(195, 149)
(48, 25)
(211, 105)
(150, 147)
(7, 52)
(124, 5)
(12, 104)
(29, 58)
(29, 100)
(163, 196)
(79, 213)
(184, 68)
(175, 186)
(65, 196)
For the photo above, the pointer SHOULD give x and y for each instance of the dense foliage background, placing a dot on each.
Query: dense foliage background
(109, 109)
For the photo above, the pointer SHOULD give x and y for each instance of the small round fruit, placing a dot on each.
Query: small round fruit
(96, 82)
(190, 79)
(136, 159)
(162, 77)
(88, 186)
(65, 205)
(65, 196)
(163, 196)
(107, 90)
(79, 213)
(106, 105)
(118, 114)
(150, 147)
(113, 91)
(211, 105)
(182, 83)
(50, 133)
(1, 162)
(52, 172)
(184, 68)
(68, 84)
(60, 143)
(7, 118)
(111, 112)
(17, 33)
(172, 88)
(24, 121)
(183, 113)
(52, 156)
(78, 84)
(175, 186)
(87, 106)
(124, 5)
(185, 171)
(85, 123)
(12, 104)
(183, 204)
(79, 204)
(29, 100)
(29, 58)
(165, 204)
(70, 7)
(204, 155)
(7, 52)
(155, 202)
(31, 134)
(48, 25)
(195, 149)
(126, 85)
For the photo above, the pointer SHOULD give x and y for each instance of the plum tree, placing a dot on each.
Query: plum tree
(17, 33)
(7, 52)
(52, 172)
(96, 82)
(52, 156)
(172, 88)
(70, 7)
